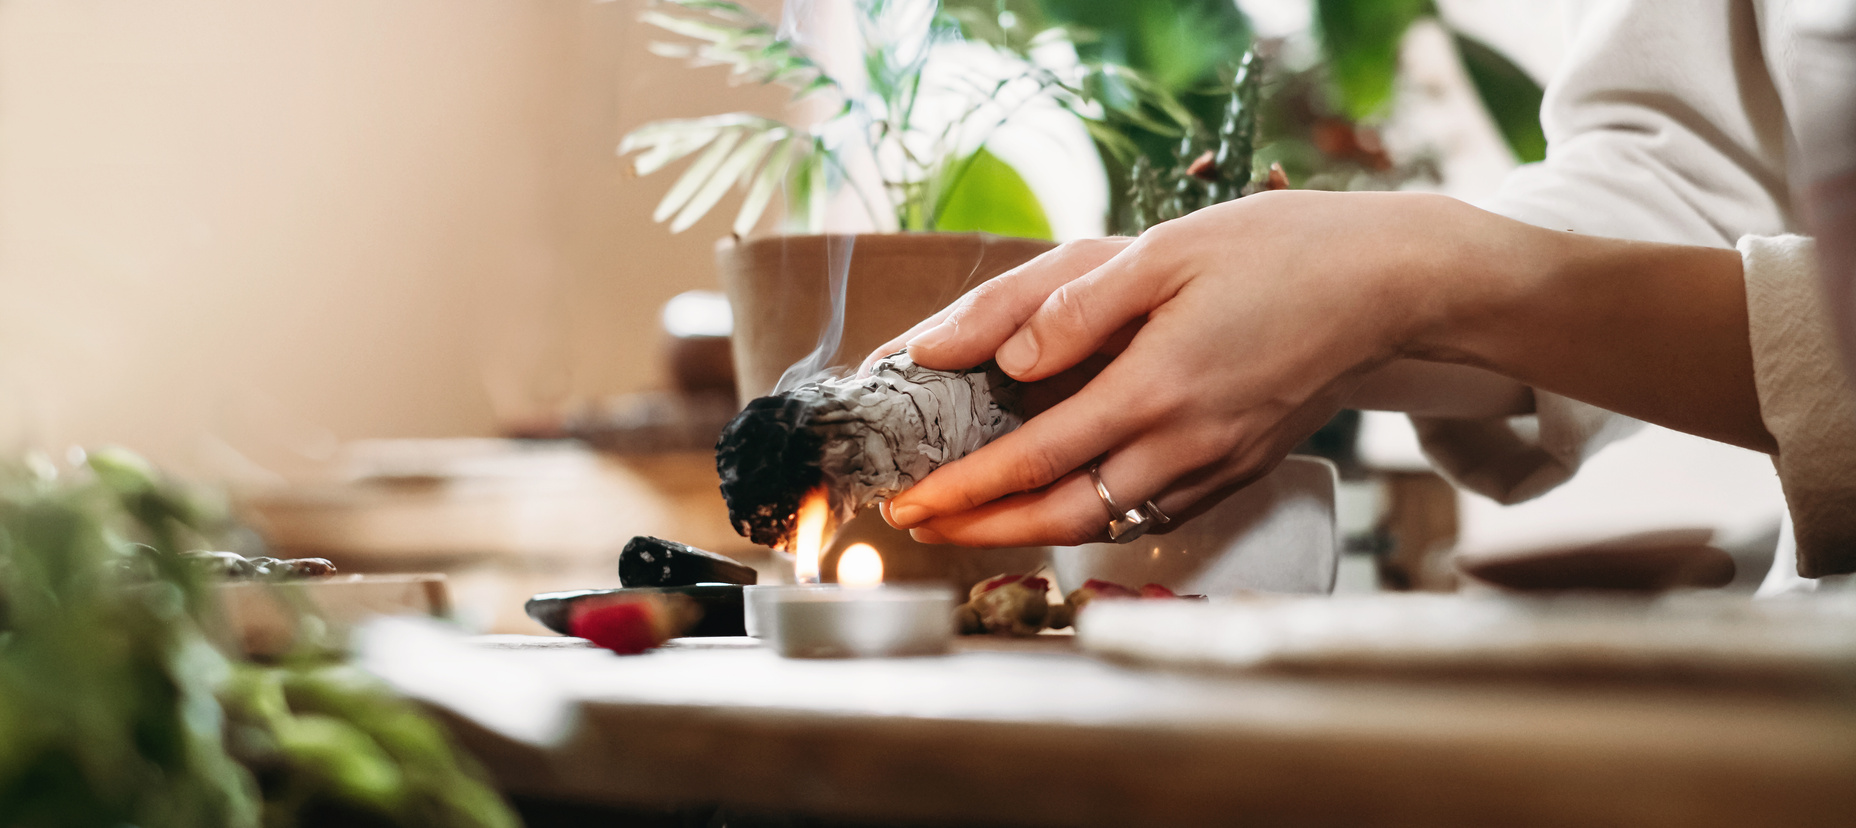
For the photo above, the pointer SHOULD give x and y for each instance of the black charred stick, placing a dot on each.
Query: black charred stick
(655, 562)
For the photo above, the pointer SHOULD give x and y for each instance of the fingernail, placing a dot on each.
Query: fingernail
(926, 536)
(905, 515)
(1019, 354)
(933, 337)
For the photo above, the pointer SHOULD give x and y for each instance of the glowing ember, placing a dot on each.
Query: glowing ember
(810, 530)
(860, 565)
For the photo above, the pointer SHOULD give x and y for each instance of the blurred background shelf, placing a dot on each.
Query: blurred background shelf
(502, 519)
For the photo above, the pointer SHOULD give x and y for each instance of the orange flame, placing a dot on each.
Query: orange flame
(860, 565)
(810, 528)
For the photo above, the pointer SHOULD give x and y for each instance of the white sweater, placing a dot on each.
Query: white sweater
(1685, 121)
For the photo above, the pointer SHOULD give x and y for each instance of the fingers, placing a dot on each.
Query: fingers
(1103, 415)
(971, 330)
(1078, 316)
(896, 344)
(1059, 515)
(1171, 447)
(1070, 511)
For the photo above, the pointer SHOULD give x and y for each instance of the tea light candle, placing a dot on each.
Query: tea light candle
(857, 617)
(835, 621)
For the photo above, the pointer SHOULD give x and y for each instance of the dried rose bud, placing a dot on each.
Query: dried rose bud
(1096, 588)
(634, 624)
(997, 581)
(967, 620)
(1108, 589)
(1011, 604)
(1157, 591)
(1060, 616)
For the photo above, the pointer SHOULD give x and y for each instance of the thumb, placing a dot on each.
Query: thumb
(971, 330)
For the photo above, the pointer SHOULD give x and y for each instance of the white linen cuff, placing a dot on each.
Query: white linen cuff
(1805, 399)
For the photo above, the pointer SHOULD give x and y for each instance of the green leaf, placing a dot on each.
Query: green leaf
(739, 165)
(986, 194)
(1178, 43)
(771, 175)
(1007, 24)
(697, 174)
(1511, 97)
(738, 38)
(1360, 39)
(1120, 146)
(666, 141)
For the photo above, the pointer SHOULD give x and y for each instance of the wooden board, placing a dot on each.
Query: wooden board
(1041, 735)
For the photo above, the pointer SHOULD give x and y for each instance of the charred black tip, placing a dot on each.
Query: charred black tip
(768, 461)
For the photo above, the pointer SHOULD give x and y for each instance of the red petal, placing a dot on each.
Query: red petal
(624, 628)
(1108, 589)
(997, 581)
(1157, 591)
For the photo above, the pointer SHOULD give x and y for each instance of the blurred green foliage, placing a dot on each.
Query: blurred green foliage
(1158, 71)
(1315, 121)
(1360, 39)
(875, 121)
(988, 195)
(1153, 82)
(111, 686)
(1511, 97)
(328, 745)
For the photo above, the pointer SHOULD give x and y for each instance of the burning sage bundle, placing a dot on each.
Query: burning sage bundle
(855, 440)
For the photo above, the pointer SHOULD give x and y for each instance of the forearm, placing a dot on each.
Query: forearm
(1653, 331)
(1436, 389)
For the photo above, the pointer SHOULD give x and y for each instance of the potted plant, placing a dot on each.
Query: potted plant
(904, 140)
(1311, 120)
(1173, 94)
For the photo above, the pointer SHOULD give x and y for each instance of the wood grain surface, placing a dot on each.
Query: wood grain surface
(1034, 733)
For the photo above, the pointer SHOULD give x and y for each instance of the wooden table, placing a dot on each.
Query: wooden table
(1035, 733)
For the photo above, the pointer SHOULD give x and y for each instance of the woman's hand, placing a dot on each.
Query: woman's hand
(1211, 345)
(1235, 333)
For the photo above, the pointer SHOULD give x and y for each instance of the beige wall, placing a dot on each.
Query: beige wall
(239, 228)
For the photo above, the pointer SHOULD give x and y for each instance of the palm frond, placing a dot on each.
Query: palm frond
(737, 149)
(728, 34)
(737, 168)
(663, 142)
(698, 173)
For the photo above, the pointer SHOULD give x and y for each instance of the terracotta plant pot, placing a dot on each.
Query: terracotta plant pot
(779, 289)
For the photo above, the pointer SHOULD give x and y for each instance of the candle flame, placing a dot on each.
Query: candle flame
(810, 528)
(860, 565)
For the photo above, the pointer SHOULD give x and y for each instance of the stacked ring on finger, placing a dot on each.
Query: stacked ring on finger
(1126, 525)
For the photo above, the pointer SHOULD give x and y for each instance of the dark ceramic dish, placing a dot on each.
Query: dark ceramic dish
(720, 603)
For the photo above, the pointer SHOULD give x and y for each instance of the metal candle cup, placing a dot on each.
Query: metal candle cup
(831, 621)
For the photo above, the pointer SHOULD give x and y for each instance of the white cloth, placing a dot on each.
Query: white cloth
(1804, 399)
(1783, 580)
(1674, 121)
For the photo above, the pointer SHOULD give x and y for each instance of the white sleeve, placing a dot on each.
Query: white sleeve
(1805, 399)
(1663, 125)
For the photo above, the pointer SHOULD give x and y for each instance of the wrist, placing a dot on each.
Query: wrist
(1468, 299)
